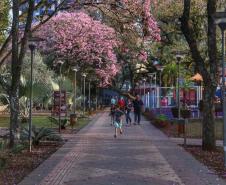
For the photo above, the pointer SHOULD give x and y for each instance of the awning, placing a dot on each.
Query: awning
(197, 77)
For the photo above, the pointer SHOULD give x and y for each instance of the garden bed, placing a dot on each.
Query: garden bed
(214, 160)
(18, 165)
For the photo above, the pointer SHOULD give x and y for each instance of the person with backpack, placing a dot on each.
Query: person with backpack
(121, 103)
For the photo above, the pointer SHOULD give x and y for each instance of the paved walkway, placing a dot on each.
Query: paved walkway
(141, 156)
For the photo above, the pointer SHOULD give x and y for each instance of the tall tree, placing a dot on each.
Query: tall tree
(91, 43)
(208, 69)
(14, 45)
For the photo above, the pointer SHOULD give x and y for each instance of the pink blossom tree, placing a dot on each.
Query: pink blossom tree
(83, 40)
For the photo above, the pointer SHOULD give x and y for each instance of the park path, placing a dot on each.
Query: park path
(141, 156)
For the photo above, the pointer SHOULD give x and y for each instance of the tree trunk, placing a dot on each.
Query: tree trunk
(14, 90)
(209, 72)
(16, 65)
(208, 132)
(209, 142)
(14, 115)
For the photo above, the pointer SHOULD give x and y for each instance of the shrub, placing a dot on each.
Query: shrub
(18, 148)
(161, 121)
(39, 134)
(56, 122)
(2, 162)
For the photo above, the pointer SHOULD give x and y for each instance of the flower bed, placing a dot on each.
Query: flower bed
(161, 121)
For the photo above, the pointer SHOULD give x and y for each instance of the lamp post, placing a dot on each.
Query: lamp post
(75, 69)
(60, 92)
(179, 57)
(84, 89)
(144, 80)
(220, 19)
(32, 49)
(60, 63)
(153, 76)
(160, 69)
(140, 84)
(89, 95)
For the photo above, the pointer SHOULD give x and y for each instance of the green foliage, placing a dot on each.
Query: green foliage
(18, 148)
(40, 134)
(161, 121)
(162, 117)
(3, 144)
(55, 121)
(38, 121)
(42, 84)
(2, 162)
(4, 19)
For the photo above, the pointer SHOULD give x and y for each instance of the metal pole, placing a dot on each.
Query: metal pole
(60, 100)
(89, 96)
(84, 99)
(223, 94)
(178, 88)
(160, 84)
(144, 95)
(31, 96)
(151, 94)
(74, 107)
(140, 88)
(155, 91)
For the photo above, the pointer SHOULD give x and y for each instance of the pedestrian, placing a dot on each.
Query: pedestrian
(137, 105)
(118, 120)
(113, 101)
(112, 114)
(122, 103)
(129, 107)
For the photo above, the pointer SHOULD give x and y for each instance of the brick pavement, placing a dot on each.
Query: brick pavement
(141, 156)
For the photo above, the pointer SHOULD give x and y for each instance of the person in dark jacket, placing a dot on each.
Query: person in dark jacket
(137, 105)
(129, 107)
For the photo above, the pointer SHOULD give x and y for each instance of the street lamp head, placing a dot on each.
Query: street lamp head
(179, 57)
(75, 68)
(156, 62)
(60, 62)
(84, 75)
(32, 42)
(150, 74)
(220, 19)
(31, 45)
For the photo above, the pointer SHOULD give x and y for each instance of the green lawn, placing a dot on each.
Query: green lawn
(43, 121)
(194, 128)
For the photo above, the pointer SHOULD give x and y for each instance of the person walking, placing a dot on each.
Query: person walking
(122, 104)
(137, 105)
(113, 100)
(118, 121)
(112, 113)
(129, 107)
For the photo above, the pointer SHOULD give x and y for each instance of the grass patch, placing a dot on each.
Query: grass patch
(4, 121)
(194, 128)
(43, 121)
(81, 123)
(38, 121)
